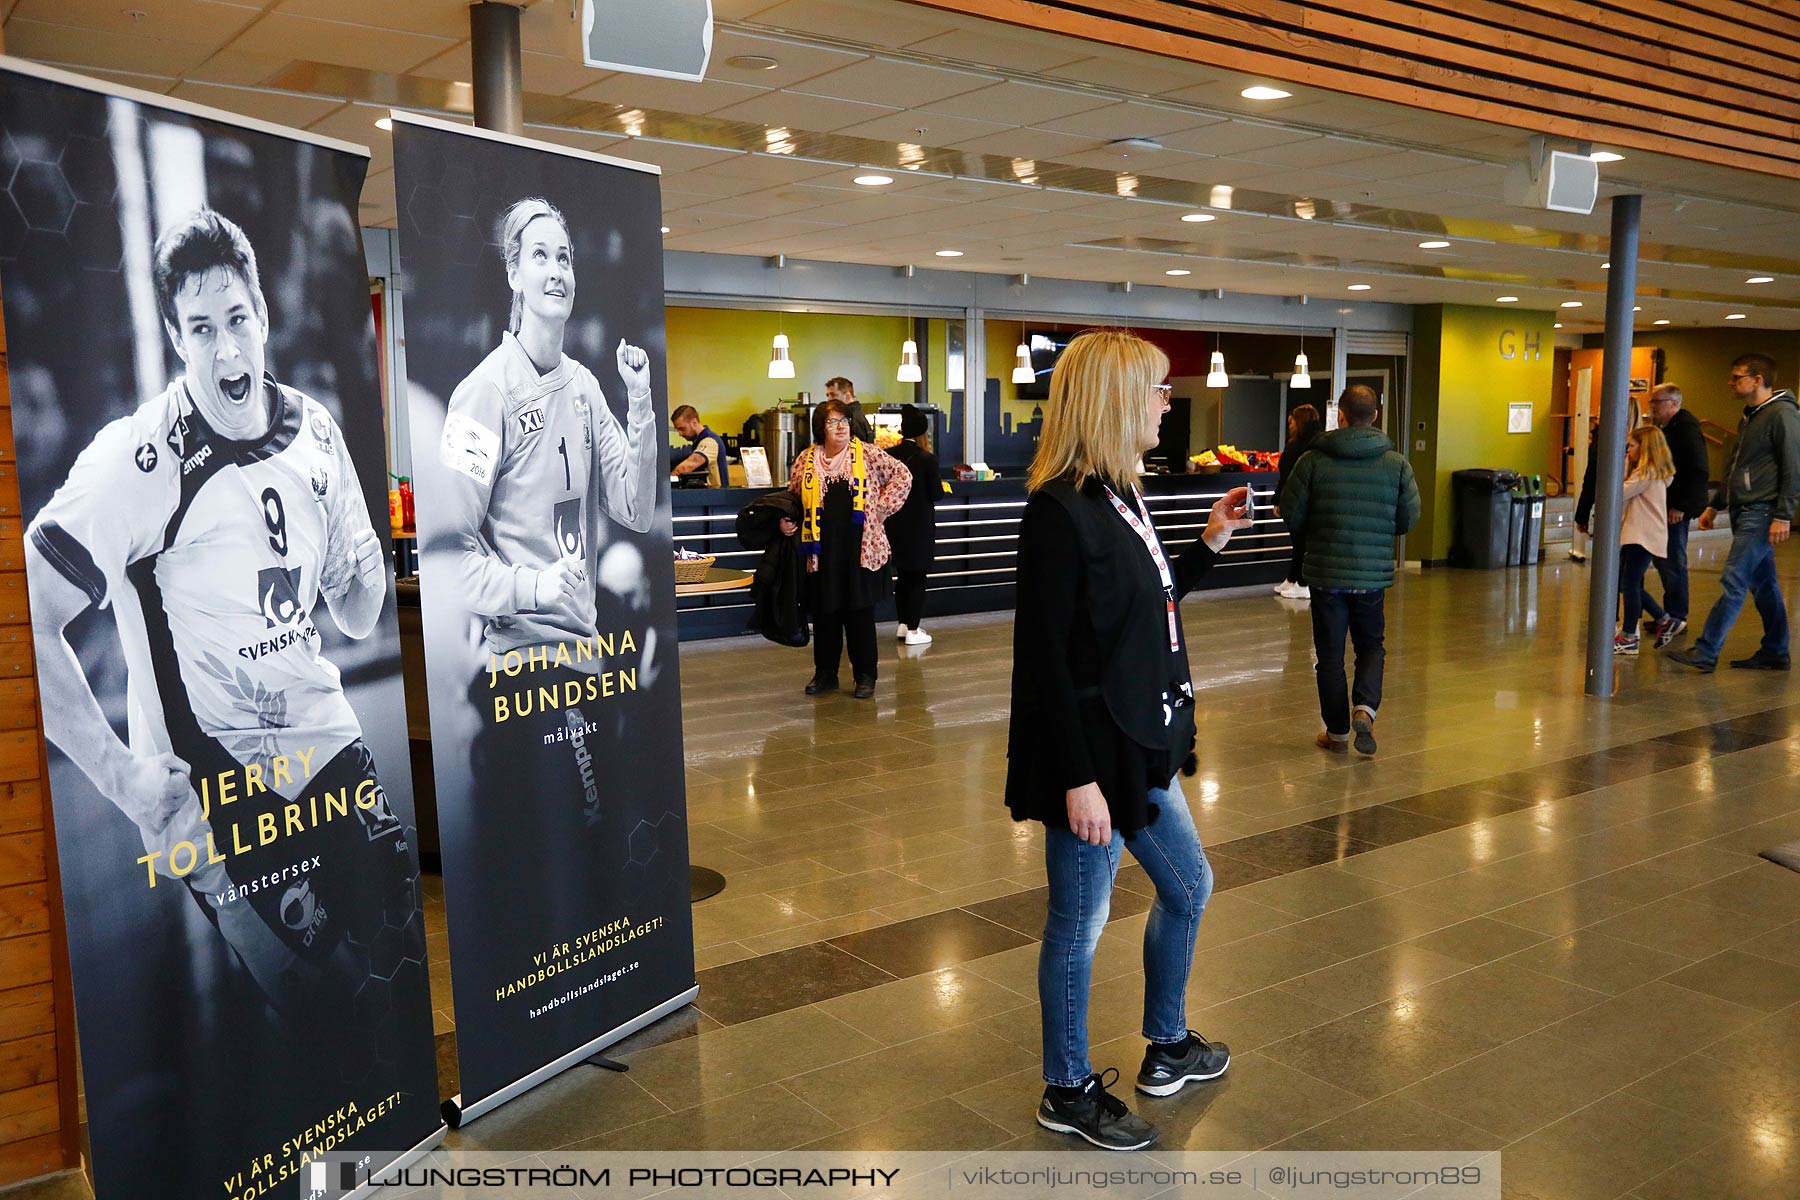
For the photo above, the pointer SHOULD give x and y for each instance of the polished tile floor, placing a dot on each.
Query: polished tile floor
(1534, 922)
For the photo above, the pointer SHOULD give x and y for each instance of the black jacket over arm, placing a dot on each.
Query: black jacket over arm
(1091, 661)
(912, 532)
(1691, 488)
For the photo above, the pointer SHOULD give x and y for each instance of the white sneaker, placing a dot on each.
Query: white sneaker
(1299, 592)
(1281, 589)
(899, 633)
(917, 637)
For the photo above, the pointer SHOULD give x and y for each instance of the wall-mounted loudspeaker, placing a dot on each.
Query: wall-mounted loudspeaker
(1558, 180)
(670, 38)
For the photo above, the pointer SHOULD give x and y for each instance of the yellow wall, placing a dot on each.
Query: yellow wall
(719, 360)
(1462, 386)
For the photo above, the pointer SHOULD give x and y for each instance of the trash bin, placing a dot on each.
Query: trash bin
(1483, 499)
(1532, 551)
(1515, 525)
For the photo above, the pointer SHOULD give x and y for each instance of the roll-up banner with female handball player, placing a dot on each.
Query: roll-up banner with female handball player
(200, 445)
(535, 374)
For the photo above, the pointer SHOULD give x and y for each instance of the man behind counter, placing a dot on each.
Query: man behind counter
(705, 452)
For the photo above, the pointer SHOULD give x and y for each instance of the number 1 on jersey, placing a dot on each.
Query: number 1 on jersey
(562, 448)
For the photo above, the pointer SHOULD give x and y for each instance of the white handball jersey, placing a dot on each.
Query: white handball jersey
(533, 461)
(212, 554)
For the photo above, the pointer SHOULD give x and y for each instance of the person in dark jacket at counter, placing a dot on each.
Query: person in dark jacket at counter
(848, 489)
(1303, 425)
(1762, 487)
(706, 449)
(1350, 497)
(1102, 718)
(844, 392)
(1688, 494)
(913, 530)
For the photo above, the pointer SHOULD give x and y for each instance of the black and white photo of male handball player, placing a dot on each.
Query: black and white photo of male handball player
(209, 523)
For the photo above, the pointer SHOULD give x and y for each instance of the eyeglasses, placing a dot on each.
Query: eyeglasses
(1163, 390)
(837, 422)
(1733, 378)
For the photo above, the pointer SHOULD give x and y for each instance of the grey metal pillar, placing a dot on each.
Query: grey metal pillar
(1615, 425)
(499, 77)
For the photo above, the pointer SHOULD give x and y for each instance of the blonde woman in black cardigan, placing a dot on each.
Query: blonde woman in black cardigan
(1102, 717)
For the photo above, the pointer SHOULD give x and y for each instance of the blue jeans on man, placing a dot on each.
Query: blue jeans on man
(1749, 570)
(1081, 884)
(1673, 570)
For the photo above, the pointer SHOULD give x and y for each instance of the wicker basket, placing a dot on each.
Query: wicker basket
(693, 570)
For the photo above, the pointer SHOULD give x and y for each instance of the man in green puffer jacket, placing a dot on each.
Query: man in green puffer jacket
(1350, 496)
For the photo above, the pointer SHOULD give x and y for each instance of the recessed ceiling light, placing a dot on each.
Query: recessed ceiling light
(1637, 308)
(1259, 92)
(384, 122)
(1734, 316)
(665, 229)
(1571, 304)
(874, 180)
(1760, 279)
(949, 253)
(1359, 287)
(1660, 321)
(1434, 245)
(1506, 299)
(1196, 218)
(1177, 271)
(753, 62)
(1606, 266)
(1606, 156)
(1556, 325)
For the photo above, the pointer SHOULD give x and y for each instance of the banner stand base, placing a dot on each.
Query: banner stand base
(605, 1063)
(457, 1113)
(400, 1164)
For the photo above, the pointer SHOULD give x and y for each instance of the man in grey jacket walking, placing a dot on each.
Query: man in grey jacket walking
(1762, 486)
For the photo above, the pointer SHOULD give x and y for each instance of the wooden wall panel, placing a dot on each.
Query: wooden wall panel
(39, 1126)
(1714, 83)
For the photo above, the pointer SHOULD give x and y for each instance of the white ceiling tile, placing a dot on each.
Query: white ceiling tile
(797, 60)
(196, 22)
(1025, 143)
(940, 129)
(1131, 119)
(1013, 103)
(1233, 137)
(365, 46)
(894, 83)
(792, 110)
(440, 18)
(666, 95)
(673, 156)
(294, 111)
(71, 46)
(752, 172)
(235, 68)
(1138, 73)
(1002, 46)
(877, 24)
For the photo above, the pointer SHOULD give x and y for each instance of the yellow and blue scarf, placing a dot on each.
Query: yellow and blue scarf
(812, 495)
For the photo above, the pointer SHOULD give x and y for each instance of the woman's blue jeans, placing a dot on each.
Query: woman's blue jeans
(1081, 883)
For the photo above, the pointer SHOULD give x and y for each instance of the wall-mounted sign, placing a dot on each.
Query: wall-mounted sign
(1518, 417)
(1510, 347)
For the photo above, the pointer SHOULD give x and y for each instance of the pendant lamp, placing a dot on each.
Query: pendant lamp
(1302, 378)
(1215, 375)
(909, 363)
(1023, 371)
(780, 365)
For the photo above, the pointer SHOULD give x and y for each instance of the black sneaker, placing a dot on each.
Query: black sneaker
(1691, 658)
(1095, 1114)
(1168, 1069)
(821, 684)
(865, 687)
(1761, 662)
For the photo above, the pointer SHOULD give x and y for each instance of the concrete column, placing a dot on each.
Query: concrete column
(1616, 417)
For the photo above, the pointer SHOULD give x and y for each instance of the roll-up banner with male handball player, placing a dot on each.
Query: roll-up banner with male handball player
(200, 447)
(535, 374)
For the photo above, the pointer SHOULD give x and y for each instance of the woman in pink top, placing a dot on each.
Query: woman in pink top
(1645, 530)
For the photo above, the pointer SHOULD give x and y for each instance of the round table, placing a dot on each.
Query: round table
(704, 881)
(718, 579)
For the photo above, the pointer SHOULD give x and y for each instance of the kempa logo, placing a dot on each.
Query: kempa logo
(196, 460)
(145, 458)
(566, 524)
